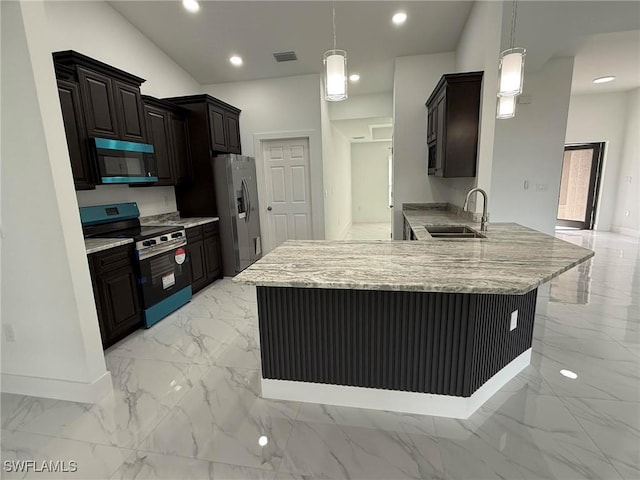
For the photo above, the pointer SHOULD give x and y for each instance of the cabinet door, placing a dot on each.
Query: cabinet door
(130, 112)
(212, 257)
(440, 134)
(120, 309)
(77, 143)
(98, 104)
(181, 149)
(158, 127)
(196, 254)
(232, 124)
(217, 129)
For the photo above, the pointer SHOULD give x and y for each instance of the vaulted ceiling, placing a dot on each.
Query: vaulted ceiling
(602, 35)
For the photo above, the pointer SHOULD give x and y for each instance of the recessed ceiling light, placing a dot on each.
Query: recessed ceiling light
(191, 5)
(569, 374)
(236, 60)
(262, 441)
(399, 18)
(609, 78)
(354, 78)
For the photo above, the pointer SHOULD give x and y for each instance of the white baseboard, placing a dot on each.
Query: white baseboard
(626, 231)
(394, 400)
(58, 389)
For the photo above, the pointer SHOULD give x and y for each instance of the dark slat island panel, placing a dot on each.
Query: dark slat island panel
(442, 343)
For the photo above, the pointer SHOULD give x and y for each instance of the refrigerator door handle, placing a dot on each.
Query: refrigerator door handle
(245, 190)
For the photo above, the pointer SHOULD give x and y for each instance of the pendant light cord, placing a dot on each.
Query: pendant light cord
(333, 8)
(514, 14)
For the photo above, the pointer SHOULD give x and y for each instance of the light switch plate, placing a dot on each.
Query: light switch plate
(514, 320)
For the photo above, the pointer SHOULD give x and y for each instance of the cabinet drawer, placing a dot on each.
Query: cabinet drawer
(194, 234)
(112, 259)
(210, 229)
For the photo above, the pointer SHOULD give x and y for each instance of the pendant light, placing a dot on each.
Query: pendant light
(335, 70)
(511, 69)
(506, 107)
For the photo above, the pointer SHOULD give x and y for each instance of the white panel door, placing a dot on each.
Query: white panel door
(286, 167)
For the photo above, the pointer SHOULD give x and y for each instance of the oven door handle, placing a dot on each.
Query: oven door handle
(160, 249)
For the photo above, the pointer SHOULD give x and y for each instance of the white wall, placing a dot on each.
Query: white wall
(336, 154)
(369, 182)
(601, 118)
(478, 49)
(48, 304)
(150, 200)
(414, 79)
(530, 147)
(628, 198)
(97, 30)
(362, 106)
(277, 108)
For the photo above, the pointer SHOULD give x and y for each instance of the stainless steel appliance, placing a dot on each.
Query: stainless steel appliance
(163, 272)
(237, 199)
(125, 162)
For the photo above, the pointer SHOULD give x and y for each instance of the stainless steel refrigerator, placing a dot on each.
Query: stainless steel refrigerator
(237, 201)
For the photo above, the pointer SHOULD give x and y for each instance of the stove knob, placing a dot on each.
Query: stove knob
(164, 238)
(146, 243)
(152, 242)
(176, 235)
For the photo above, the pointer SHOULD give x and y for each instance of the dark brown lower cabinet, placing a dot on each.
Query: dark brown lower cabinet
(203, 250)
(195, 252)
(116, 293)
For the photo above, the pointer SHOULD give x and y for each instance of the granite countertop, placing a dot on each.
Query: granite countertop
(174, 219)
(93, 245)
(512, 259)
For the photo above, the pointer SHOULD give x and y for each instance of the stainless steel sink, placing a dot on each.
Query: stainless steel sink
(452, 231)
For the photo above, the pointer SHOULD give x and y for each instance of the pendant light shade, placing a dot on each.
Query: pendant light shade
(335, 80)
(511, 72)
(506, 107)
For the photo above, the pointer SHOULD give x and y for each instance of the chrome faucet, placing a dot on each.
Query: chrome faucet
(485, 216)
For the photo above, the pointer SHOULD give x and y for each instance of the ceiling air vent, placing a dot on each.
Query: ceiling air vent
(285, 57)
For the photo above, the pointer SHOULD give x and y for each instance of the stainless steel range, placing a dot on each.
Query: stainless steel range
(163, 267)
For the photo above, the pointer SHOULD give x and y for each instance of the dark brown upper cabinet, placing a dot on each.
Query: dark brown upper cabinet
(73, 120)
(130, 112)
(217, 130)
(111, 98)
(232, 123)
(98, 102)
(159, 129)
(453, 120)
(167, 126)
(181, 147)
(219, 121)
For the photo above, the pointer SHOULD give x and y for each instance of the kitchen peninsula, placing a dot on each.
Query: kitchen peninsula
(434, 326)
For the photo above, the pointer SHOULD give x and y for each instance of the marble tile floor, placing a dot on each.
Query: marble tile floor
(186, 401)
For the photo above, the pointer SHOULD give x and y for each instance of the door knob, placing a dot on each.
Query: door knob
(269, 208)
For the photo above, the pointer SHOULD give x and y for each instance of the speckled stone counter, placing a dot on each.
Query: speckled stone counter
(174, 219)
(512, 259)
(94, 245)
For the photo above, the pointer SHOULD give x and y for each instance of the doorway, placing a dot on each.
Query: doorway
(579, 185)
(288, 191)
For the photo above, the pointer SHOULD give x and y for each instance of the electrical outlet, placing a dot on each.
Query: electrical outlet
(514, 320)
(9, 335)
(526, 184)
(627, 213)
